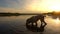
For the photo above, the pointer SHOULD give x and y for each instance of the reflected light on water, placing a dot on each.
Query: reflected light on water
(57, 21)
(52, 22)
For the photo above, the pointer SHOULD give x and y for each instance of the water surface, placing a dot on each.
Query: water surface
(16, 25)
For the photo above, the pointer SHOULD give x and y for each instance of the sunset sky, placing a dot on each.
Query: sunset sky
(29, 6)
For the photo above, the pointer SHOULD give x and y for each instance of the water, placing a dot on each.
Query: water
(16, 25)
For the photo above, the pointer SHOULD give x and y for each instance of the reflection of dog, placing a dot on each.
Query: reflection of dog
(41, 28)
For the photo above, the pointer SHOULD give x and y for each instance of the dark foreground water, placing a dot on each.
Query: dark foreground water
(16, 25)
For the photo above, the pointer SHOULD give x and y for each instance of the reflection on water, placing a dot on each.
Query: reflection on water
(16, 25)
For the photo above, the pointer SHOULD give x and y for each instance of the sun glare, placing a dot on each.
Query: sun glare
(55, 7)
(46, 5)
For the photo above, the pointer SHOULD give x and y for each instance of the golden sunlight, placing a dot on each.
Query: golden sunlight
(57, 21)
(44, 5)
(55, 7)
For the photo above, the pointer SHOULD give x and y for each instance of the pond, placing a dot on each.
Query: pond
(17, 25)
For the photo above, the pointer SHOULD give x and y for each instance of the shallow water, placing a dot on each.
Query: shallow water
(16, 25)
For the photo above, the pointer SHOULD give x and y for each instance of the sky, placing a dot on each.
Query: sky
(29, 6)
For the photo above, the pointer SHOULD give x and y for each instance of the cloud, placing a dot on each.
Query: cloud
(18, 5)
(12, 3)
(12, 10)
